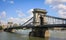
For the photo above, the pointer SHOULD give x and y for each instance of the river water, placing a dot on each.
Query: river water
(23, 35)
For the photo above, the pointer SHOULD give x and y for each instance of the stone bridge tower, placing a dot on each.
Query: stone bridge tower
(39, 16)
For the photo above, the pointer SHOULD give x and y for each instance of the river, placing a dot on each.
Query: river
(23, 35)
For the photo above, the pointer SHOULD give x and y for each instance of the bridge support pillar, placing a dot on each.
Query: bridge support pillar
(13, 30)
(47, 34)
(9, 30)
(39, 32)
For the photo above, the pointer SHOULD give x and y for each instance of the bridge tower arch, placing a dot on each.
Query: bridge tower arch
(39, 16)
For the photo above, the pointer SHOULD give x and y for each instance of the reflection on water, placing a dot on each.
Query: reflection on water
(58, 34)
(23, 35)
(37, 38)
(15, 36)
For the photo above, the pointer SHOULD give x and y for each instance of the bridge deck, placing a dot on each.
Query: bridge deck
(42, 26)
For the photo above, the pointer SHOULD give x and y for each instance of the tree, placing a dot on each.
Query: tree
(1, 28)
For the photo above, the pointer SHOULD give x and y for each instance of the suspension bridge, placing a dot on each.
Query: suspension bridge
(40, 22)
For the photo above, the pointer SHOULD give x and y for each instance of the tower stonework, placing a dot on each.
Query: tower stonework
(39, 18)
(38, 14)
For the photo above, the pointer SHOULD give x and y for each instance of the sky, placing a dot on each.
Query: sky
(19, 11)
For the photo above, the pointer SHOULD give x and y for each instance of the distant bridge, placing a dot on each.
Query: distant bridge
(41, 20)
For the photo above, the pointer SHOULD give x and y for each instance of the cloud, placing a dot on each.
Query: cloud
(58, 5)
(3, 14)
(62, 13)
(3, 0)
(12, 2)
(0, 17)
(9, 1)
(30, 12)
(22, 18)
(48, 1)
(17, 20)
(3, 22)
(54, 1)
(20, 13)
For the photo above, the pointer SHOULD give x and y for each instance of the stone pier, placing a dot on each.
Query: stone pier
(40, 32)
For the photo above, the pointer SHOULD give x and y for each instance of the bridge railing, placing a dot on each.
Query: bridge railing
(55, 20)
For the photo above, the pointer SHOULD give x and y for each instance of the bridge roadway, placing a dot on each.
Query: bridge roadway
(42, 26)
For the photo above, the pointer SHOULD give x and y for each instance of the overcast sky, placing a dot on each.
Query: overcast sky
(18, 11)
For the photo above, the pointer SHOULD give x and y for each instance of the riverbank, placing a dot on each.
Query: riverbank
(1, 30)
